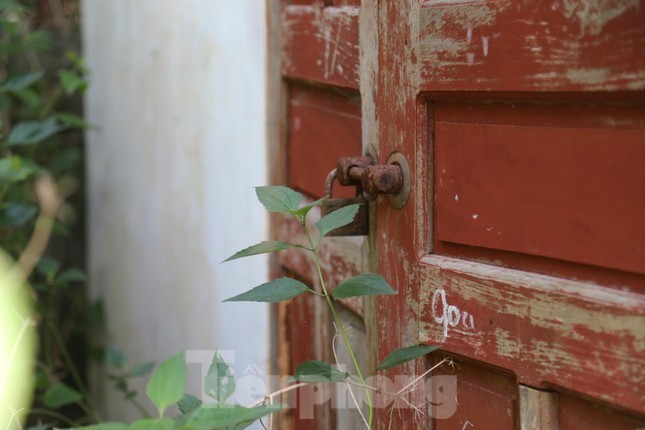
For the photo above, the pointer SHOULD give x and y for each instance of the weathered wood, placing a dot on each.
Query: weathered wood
(572, 45)
(276, 158)
(395, 234)
(540, 185)
(321, 45)
(577, 414)
(488, 90)
(494, 392)
(538, 409)
(545, 330)
(323, 126)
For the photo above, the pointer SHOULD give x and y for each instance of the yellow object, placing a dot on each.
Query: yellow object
(17, 348)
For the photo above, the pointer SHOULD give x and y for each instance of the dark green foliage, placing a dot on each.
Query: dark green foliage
(41, 132)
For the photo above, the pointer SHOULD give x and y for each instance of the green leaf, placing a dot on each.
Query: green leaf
(188, 403)
(141, 369)
(317, 371)
(64, 161)
(48, 267)
(278, 198)
(71, 81)
(73, 274)
(21, 81)
(406, 354)
(75, 121)
(30, 132)
(16, 169)
(30, 99)
(261, 248)
(17, 214)
(105, 426)
(11, 5)
(274, 291)
(150, 424)
(59, 395)
(336, 219)
(219, 382)
(37, 41)
(368, 284)
(168, 383)
(114, 357)
(222, 416)
(303, 211)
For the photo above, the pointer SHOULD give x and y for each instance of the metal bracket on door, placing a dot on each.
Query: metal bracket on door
(391, 179)
(371, 180)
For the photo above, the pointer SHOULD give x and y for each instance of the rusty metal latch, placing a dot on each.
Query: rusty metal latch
(391, 179)
(371, 180)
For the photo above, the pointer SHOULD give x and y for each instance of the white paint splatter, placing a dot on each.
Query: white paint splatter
(471, 57)
(469, 33)
(456, 197)
(475, 216)
(485, 45)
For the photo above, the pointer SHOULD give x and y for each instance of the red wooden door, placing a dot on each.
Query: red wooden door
(314, 62)
(522, 247)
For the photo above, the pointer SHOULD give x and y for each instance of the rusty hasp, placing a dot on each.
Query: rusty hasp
(374, 179)
(350, 170)
(382, 179)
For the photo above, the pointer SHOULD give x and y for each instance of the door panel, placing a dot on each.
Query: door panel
(577, 414)
(522, 247)
(323, 126)
(321, 44)
(547, 331)
(540, 184)
(566, 45)
(496, 394)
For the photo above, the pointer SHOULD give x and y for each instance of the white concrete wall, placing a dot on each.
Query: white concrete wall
(177, 89)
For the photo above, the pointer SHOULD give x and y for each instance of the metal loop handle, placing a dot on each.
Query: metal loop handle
(329, 182)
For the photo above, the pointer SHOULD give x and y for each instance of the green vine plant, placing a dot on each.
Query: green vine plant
(280, 199)
(167, 384)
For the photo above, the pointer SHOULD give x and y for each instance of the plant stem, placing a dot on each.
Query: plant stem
(339, 323)
(47, 412)
(144, 413)
(71, 367)
(411, 384)
(277, 393)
